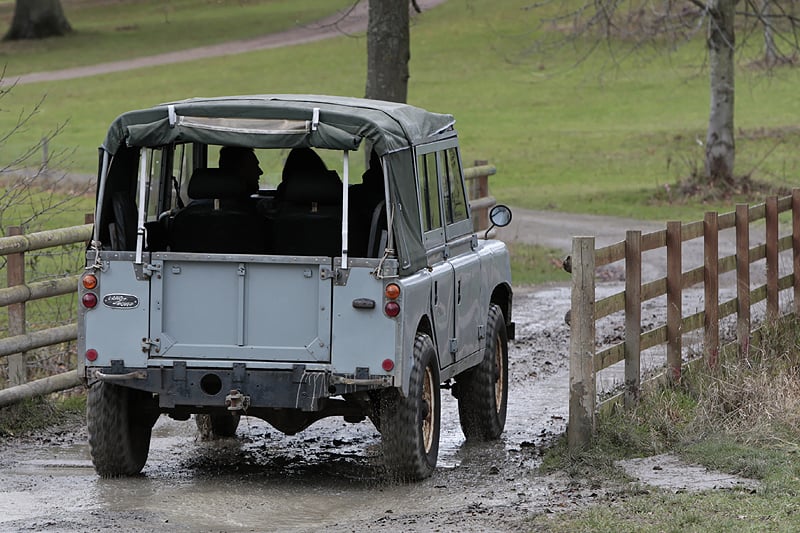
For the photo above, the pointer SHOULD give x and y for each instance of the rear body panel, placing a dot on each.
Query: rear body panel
(244, 308)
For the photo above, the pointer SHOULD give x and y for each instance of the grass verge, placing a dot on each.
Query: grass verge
(39, 413)
(531, 265)
(743, 418)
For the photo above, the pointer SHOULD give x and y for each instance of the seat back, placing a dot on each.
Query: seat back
(220, 219)
(308, 220)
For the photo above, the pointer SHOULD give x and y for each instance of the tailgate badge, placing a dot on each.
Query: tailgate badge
(120, 301)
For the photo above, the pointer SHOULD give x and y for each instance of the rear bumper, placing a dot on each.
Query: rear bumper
(178, 386)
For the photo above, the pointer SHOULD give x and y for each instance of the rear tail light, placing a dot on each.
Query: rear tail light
(387, 365)
(91, 354)
(392, 309)
(392, 293)
(89, 281)
(89, 300)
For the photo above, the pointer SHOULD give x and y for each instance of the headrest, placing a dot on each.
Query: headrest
(325, 188)
(211, 183)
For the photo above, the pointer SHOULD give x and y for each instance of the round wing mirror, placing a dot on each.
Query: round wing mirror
(499, 216)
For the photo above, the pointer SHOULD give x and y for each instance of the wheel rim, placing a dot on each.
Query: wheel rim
(428, 421)
(499, 383)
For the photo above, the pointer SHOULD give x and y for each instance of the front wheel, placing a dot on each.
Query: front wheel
(410, 424)
(120, 422)
(482, 391)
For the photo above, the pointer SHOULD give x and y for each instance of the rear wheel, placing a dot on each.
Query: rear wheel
(410, 425)
(120, 422)
(217, 425)
(482, 391)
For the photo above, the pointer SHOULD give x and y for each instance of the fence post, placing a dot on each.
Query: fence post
(582, 345)
(15, 263)
(674, 300)
(711, 288)
(633, 315)
(772, 257)
(743, 278)
(796, 248)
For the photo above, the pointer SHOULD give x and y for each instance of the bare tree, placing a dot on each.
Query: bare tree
(37, 19)
(388, 50)
(637, 23)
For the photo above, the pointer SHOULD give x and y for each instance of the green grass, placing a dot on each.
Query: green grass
(113, 30)
(532, 265)
(36, 414)
(573, 139)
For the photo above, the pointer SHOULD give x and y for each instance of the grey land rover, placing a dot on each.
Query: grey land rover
(292, 292)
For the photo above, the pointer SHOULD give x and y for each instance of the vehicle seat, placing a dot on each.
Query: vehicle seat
(221, 218)
(308, 220)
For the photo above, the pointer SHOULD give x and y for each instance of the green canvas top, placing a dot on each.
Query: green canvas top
(278, 121)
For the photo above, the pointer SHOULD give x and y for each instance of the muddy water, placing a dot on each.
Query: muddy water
(329, 476)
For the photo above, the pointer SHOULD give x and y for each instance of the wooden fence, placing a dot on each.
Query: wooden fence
(18, 292)
(585, 359)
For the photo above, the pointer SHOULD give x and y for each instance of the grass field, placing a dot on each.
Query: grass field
(584, 138)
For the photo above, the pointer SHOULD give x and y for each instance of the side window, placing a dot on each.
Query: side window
(429, 192)
(155, 160)
(455, 200)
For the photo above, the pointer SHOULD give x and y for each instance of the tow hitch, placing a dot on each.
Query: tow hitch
(236, 401)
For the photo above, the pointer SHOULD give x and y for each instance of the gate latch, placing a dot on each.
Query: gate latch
(148, 344)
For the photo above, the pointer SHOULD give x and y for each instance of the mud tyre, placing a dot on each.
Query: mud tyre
(119, 422)
(217, 425)
(410, 425)
(482, 391)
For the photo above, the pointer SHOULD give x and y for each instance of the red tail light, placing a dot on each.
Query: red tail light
(91, 354)
(392, 309)
(89, 300)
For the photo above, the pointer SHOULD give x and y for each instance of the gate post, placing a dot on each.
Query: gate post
(582, 397)
(15, 264)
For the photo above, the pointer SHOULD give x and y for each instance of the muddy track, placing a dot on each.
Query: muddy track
(329, 476)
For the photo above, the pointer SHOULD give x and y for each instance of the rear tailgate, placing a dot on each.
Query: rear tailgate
(241, 308)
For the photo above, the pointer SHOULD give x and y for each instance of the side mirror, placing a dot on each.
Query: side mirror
(499, 216)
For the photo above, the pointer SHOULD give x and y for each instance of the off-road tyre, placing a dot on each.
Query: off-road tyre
(120, 422)
(482, 391)
(410, 425)
(217, 425)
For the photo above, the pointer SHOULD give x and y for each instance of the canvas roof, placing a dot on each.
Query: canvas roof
(279, 121)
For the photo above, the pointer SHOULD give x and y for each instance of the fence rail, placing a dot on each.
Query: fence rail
(18, 293)
(586, 360)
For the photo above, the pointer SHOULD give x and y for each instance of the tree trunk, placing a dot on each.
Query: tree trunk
(37, 19)
(388, 50)
(771, 53)
(719, 140)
